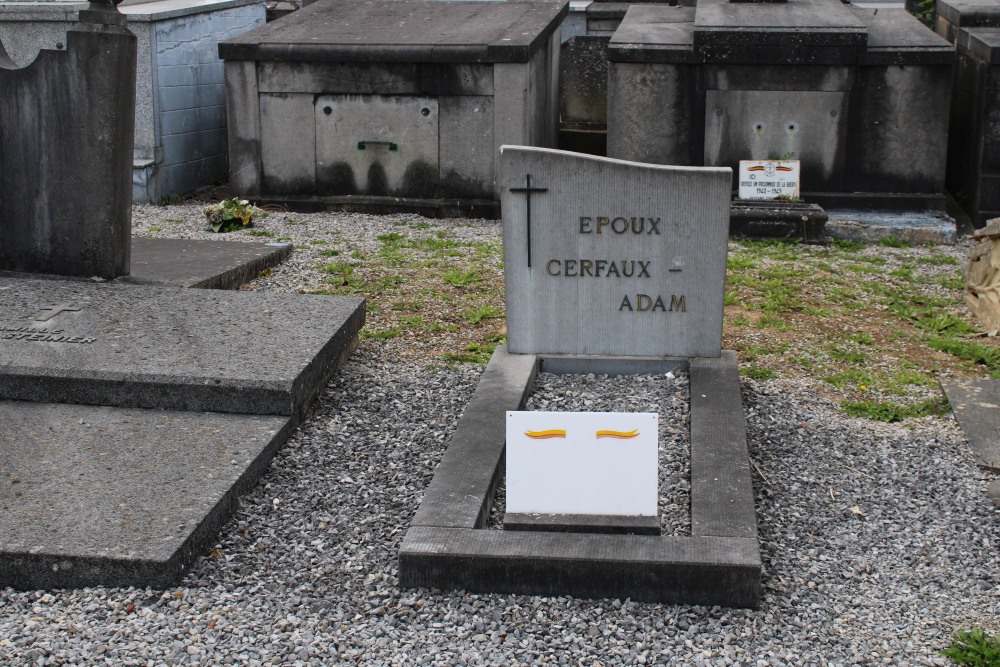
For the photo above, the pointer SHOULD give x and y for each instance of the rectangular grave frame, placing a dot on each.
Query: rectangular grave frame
(447, 546)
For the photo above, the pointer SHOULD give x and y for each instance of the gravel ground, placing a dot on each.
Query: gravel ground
(878, 541)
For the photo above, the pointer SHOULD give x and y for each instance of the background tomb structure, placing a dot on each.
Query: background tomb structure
(974, 141)
(859, 97)
(180, 114)
(390, 104)
(567, 219)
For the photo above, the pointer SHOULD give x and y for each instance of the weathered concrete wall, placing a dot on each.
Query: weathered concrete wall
(187, 104)
(674, 133)
(66, 133)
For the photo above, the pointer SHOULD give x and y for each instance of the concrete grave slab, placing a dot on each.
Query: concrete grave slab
(607, 257)
(170, 348)
(448, 547)
(120, 497)
(976, 405)
(203, 264)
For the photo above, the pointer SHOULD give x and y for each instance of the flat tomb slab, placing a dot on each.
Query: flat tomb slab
(403, 31)
(204, 264)
(94, 495)
(976, 404)
(168, 347)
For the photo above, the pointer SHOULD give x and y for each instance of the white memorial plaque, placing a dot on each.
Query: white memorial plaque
(769, 179)
(601, 463)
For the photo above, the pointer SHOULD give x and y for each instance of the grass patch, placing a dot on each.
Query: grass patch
(341, 274)
(939, 259)
(845, 355)
(772, 322)
(480, 313)
(974, 352)
(848, 245)
(852, 377)
(259, 232)
(459, 278)
(759, 373)
(478, 353)
(391, 238)
(329, 252)
(889, 411)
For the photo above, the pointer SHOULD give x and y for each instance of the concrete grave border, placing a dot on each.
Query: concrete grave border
(447, 547)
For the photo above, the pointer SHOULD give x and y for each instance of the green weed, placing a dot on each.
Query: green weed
(938, 259)
(973, 648)
(974, 352)
(848, 245)
(459, 278)
(480, 313)
(383, 334)
(759, 373)
(889, 411)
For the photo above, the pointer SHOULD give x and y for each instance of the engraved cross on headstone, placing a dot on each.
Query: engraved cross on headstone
(528, 190)
(56, 309)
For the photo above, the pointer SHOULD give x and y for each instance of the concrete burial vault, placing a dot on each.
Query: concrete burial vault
(134, 415)
(390, 104)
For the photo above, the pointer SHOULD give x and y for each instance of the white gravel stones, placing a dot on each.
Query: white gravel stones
(878, 541)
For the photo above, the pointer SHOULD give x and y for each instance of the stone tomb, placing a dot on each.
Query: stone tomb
(360, 103)
(119, 463)
(653, 320)
(860, 96)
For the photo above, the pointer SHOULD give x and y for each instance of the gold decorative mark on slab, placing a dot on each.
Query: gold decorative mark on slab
(620, 435)
(549, 433)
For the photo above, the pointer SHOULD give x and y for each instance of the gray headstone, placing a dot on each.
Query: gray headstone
(66, 153)
(626, 259)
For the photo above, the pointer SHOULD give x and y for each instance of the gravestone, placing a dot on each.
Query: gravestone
(65, 168)
(769, 206)
(606, 257)
(568, 219)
